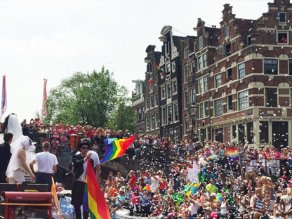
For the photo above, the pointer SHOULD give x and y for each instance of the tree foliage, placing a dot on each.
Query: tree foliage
(91, 98)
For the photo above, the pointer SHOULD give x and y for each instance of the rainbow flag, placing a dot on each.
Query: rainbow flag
(116, 147)
(232, 153)
(93, 200)
(4, 96)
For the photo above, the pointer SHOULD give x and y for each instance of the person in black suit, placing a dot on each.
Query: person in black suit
(5, 155)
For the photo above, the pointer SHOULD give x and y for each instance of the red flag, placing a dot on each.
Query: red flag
(4, 96)
(44, 108)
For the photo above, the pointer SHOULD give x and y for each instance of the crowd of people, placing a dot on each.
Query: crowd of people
(186, 179)
(194, 180)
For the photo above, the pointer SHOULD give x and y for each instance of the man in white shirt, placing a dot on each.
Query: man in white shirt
(47, 165)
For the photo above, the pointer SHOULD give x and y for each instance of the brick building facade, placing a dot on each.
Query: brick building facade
(232, 83)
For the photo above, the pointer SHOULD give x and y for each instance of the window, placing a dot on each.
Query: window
(206, 108)
(148, 125)
(243, 100)
(229, 102)
(186, 99)
(168, 91)
(226, 31)
(186, 52)
(201, 42)
(282, 37)
(186, 73)
(174, 87)
(201, 110)
(264, 132)
(202, 61)
(193, 96)
(218, 81)
(271, 97)
(229, 74)
(168, 70)
(157, 125)
(149, 67)
(271, 66)
(241, 70)
(227, 49)
(169, 113)
(139, 117)
(156, 99)
(282, 17)
(290, 66)
(153, 122)
(151, 101)
(248, 40)
(203, 84)
(163, 92)
(205, 81)
(143, 113)
(147, 103)
(175, 112)
(167, 50)
(163, 116)
(218, 107)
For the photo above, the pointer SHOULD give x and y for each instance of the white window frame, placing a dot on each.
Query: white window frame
(243, 100)
(266, 59)
(163, 94)
(216, 78)
(168, 91)
(200, 86)
(218, 111)
(163, 115)
(175, 109)
(169, 114)
(205, 84)
(240, 69)
(174, 84)
(281, 12)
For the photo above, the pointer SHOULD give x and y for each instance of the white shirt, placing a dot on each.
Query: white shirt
(194, 207)
(94, 156)
(46, 161)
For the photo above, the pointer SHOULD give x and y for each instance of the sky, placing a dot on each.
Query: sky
(54, 39)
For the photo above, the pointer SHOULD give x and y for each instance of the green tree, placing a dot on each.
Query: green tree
(84, 98)
(123, 115)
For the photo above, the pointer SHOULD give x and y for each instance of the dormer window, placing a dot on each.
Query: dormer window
(201, 42)
(226, 31)
(282, 17)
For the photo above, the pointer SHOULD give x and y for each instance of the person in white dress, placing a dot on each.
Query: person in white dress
(22, 148)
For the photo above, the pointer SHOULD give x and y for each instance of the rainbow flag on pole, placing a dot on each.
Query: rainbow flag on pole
(232, 153)
(44, 107)
(93, 200)
(116, 147)
(4, 96)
